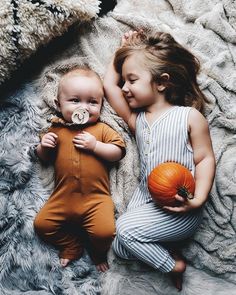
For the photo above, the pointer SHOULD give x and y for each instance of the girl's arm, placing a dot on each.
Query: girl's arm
(204, 162)
(203, 155)
(116, 98)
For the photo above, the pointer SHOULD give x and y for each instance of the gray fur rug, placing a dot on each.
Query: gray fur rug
(30, 267)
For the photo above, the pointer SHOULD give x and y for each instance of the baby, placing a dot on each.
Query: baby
(81, 149)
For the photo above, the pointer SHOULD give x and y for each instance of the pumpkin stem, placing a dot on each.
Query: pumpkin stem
(183, 192)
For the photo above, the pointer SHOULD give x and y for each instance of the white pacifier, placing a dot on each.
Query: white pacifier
(80, 116)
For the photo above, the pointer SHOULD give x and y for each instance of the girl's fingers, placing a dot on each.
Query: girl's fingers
(175, 209)
(124, 39)
(128, 35)
(179, 198)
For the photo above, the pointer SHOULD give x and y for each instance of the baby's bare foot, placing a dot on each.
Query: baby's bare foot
(103, 267)
(64, 261)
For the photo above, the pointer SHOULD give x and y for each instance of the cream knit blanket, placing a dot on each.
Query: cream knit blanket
(208, 29)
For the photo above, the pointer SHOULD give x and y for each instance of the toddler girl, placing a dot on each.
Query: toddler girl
(152, 85)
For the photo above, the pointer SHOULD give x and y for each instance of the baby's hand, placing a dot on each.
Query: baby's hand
(185, 205)
(49, 140)
(85, 140)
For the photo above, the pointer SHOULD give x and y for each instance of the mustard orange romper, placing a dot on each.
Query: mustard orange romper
(81, 198)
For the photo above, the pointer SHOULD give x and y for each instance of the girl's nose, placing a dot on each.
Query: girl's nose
(125, 89)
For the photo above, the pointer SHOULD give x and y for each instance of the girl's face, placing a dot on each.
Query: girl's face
(80, 91)
(138, 88)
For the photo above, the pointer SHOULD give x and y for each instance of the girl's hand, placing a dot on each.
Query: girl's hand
(185, 205)
(127, 36)
(49, 140)
(85, 140)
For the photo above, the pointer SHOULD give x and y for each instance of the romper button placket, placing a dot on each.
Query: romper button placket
(148, 141)
(148, 135)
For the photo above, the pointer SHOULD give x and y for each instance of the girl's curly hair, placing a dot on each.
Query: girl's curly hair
(162, 54)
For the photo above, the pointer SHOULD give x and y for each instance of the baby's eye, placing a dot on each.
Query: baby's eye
(75, 100)
(93, 102)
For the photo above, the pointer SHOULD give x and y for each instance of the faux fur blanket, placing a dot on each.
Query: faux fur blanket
(30, 267)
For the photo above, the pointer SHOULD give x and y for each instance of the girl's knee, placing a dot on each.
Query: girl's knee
(122, 228)
(116, 246)
(120, 250)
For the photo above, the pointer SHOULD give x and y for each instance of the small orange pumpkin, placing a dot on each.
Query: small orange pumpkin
(168, 179)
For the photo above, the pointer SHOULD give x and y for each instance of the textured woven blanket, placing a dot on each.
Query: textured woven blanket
(30, 267)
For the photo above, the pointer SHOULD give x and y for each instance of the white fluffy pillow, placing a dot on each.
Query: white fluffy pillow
(27, 24)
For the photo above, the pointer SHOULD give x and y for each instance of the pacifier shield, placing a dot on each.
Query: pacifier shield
(80, 116)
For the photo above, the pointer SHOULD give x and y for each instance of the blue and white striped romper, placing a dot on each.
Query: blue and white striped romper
(145, 226)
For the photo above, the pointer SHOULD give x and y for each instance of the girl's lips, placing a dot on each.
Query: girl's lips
(129, 97)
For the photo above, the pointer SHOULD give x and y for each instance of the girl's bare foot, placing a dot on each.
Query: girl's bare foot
(64, 261)
(177, 272)
(102, 266)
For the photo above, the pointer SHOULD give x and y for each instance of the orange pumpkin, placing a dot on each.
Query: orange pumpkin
(168, 179)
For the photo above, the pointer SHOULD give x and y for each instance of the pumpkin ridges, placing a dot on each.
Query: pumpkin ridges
(166, 179)
(161, 188)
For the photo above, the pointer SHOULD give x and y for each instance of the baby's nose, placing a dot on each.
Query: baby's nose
(84, 105)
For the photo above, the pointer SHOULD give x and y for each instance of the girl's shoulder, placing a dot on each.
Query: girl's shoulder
(196, 119)
(194, 113)
(183, 108)
(188, 111)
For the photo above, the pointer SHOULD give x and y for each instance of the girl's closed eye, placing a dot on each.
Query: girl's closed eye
(132, 78)
(132, 81)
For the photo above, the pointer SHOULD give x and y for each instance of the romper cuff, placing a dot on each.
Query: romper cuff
(168, 264)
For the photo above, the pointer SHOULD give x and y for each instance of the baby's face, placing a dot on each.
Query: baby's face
(80, 91)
